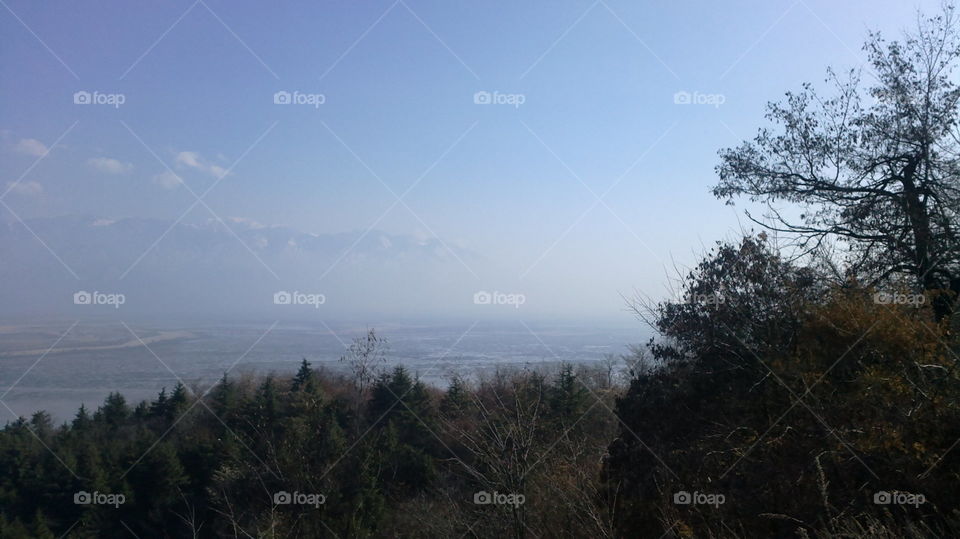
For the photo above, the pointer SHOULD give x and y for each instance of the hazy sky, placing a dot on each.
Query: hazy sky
(583, 179)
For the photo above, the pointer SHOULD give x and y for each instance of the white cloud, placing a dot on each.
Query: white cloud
(31, 146)
(249, 223)
(193, 160)
(109, 165)
(29, 188)
(167, 180)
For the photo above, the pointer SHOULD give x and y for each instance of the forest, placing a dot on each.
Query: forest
(802, 381)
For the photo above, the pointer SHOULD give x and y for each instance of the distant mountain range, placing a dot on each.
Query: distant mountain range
(163, 266)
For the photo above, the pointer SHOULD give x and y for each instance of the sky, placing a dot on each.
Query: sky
(570, 144)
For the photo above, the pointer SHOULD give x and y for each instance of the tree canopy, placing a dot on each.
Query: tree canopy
(875, 162)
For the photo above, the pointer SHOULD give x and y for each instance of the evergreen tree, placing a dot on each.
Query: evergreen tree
(456, 399)
(159, 407)
(303, 378)
(114, 410)
(567, 396)
(177, 404)
(82, 420)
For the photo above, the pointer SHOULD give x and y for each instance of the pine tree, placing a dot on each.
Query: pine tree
(225, 397)
(42, 425)
(177, 403)
(159, 407)
(82, 420)
(567, 396)
(40, 529)
(114, 410)
(304, 376)
(455, 400)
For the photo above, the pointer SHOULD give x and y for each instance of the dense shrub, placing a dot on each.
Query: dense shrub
(795, 401)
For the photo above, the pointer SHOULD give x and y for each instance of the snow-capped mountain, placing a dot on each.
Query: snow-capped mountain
(162, 265)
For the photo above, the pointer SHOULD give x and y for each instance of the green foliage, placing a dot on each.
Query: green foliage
(184, 471)
(567, 397)
(833, 394)
(456, 399)
(793, 397)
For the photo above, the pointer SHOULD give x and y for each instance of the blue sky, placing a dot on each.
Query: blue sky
(518, 184)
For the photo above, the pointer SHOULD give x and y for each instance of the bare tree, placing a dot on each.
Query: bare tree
(189, 517)
(505, 441)
(363, 356)
(876, 166)
(608, 366)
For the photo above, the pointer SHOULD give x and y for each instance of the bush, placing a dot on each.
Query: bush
(794, 401)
